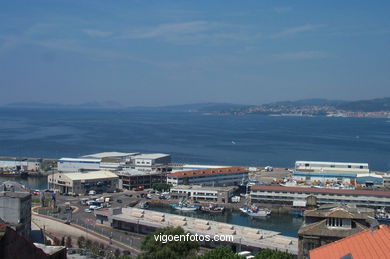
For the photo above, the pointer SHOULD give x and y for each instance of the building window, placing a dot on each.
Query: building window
(349, 166)
(361, 167)
(334, 222)
(307, 165)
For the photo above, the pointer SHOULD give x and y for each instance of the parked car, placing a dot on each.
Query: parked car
(92, 192)
(88, 210)
(119, 201)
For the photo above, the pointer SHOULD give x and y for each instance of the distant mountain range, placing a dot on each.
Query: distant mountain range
(373, 105)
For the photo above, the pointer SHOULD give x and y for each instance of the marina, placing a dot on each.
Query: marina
(286, 224)
(244, 238)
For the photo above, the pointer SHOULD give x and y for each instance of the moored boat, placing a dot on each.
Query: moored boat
(184, 206)
(255, 211)
(212, 208)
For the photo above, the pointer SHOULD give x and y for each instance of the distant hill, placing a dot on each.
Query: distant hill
(88, 105)
(195, 107)
(380, 104)
(307, 102)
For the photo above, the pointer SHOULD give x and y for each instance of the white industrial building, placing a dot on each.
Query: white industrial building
(214, 177)
(23, 164)
(119, 155)
(81, 183)
(150, 161)
(78, 164)
(329, 171)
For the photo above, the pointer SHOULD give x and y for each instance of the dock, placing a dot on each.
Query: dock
(243, 238)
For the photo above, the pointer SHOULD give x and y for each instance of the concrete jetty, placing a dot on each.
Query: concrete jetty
(244, 238)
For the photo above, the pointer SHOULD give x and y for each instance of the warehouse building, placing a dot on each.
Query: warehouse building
(78, 164)
(81, 183)
(205, 194)
(287, 195)
(150, 162)
(215, 177)
(323, 172)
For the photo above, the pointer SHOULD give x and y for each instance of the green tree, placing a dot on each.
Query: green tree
(157, 249)
(68, 242)
(161, 187)
(81, 242)
(220, 252)
(88, 244)
(272, 254)
(63, 241)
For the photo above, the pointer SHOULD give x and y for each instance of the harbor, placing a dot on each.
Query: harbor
(146, 221)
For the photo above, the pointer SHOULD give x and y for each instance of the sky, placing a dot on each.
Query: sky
(151, 53)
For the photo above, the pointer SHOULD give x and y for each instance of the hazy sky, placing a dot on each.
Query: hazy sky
(174, 52)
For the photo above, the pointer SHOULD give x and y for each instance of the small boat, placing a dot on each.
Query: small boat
(255, 211)
(212, 208)
(184, 206)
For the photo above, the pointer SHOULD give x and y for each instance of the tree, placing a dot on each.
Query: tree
(81, 242)
(157, 249)
(220, 252)
(161, 187)
(68, 242)
(88, 244)
(272, 254)
(63, 241)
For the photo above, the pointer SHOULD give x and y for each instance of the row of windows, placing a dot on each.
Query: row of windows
(324, 194)
(323, 200)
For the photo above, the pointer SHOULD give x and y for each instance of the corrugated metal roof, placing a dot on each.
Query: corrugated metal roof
(90, 175)
(370, 243)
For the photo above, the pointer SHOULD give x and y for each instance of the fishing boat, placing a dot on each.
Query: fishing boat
(184, 206)
(255, 211)
(212, 208)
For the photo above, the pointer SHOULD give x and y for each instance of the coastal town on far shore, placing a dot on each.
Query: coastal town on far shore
(109, 198)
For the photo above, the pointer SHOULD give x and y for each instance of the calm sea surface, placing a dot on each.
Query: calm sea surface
(196, 138)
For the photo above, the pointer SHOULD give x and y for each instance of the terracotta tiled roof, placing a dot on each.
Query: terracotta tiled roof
(213, 171)
(320, 190)
(370, 243)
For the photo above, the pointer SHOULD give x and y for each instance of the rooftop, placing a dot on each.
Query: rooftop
(370, 243)
(90, 175)
(199, 187)
(212, 171)
(110, 154)
(331, 163)
(320, 190)
(151, 156)
(82, 159)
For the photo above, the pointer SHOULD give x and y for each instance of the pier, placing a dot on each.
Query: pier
(244, 238)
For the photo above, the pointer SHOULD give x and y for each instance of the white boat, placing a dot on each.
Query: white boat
(255, 211)
(184, 206)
